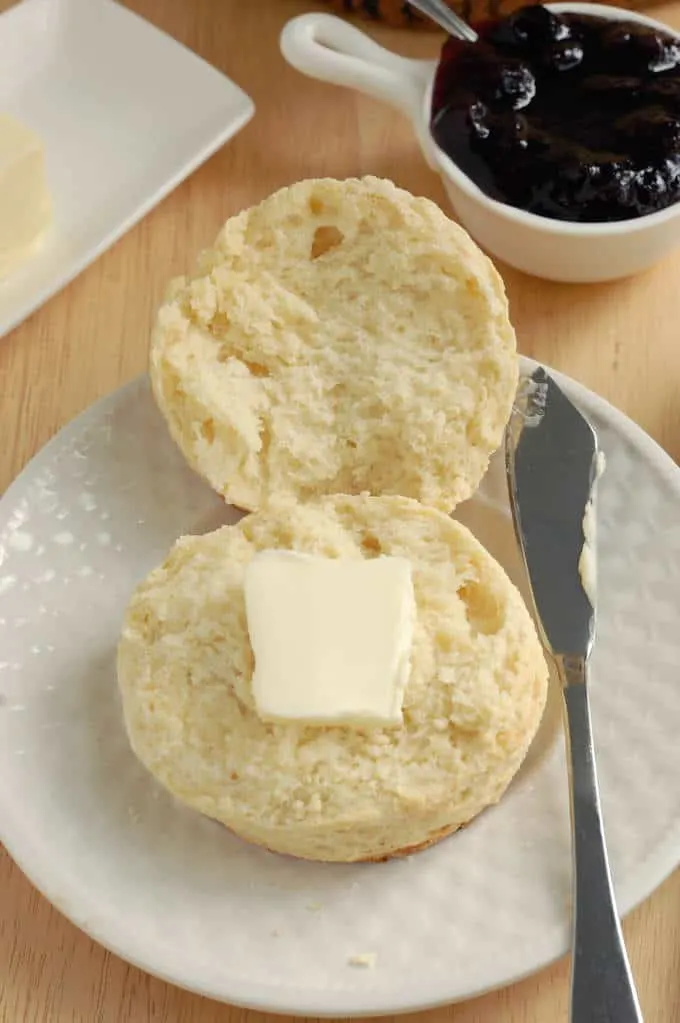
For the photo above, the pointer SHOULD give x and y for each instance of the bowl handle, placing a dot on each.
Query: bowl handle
(330, 49)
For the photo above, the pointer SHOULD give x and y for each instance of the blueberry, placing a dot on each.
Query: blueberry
(516, 84)
(503, 131)
(617, 36)
(536, 26)
(617, 184)
(540, 142)
(506, 83)
(653, 52)
(672, 171)
(506, 131)
(479, 120)
(581, 179)
(632, 48)
(664, 55)
(620, 50)
(563, 56)
(650, 189)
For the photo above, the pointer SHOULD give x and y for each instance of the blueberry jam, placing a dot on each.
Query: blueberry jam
(564, 115)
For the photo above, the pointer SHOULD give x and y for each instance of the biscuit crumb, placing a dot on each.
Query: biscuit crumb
(314, 907)
(365, 960)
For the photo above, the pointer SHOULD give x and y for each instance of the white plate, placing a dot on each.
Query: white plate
(125, 114)
(180, 896)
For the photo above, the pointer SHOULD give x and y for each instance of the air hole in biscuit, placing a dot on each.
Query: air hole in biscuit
(267, 240)
(220, 322)
(326, 237)
(371, 544)
(472, 434)
(208, 430)
(483, 612)
(505, 740)
(257, 369)
(444, 641)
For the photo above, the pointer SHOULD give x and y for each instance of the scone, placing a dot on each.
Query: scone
(341, 337)
(472, 705)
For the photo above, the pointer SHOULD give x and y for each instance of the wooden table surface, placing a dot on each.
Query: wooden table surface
(621, 339)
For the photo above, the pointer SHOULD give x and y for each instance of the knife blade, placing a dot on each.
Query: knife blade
(553, 461)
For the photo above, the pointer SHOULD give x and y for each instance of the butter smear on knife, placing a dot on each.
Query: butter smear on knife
(587, 564)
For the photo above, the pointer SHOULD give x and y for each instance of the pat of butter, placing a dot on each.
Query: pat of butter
(331, 637)
(25, 207)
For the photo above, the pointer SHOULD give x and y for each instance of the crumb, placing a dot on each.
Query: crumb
(134, 814)
(276, 934)
(367, 960)
(314, 907)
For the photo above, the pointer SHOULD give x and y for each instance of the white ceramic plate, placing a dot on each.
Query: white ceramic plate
(125, 114)
(177, 894)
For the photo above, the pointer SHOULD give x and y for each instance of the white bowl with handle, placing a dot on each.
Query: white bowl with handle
(332, 50)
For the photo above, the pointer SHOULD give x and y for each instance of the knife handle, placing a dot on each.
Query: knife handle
(602, 986)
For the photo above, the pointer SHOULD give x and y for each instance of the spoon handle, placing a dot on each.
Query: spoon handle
(442, 15)
(602, 986)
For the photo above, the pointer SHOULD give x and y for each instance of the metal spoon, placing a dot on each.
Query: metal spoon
(443, 16)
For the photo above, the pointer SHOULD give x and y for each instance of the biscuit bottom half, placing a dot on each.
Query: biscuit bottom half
(472, 706)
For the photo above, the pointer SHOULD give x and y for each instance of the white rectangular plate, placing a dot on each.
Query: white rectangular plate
(125, 114)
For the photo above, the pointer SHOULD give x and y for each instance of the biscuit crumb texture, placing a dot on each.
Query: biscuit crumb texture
(341, 337)
(471, 708)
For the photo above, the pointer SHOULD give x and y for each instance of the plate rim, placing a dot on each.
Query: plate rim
(373, 1002)
(180, 172)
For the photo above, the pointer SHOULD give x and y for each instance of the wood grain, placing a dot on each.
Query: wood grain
(620, 339)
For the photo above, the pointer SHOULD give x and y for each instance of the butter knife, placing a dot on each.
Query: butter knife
(553, 462)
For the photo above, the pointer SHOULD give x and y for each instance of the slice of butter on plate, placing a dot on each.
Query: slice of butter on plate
(124, 113)
(331, 637)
